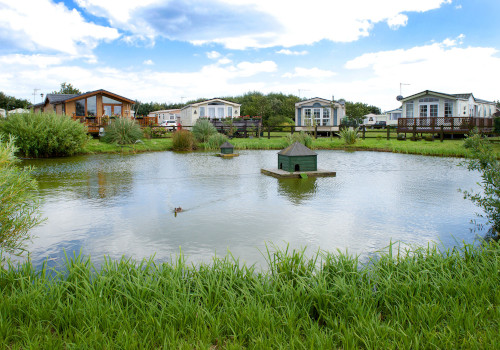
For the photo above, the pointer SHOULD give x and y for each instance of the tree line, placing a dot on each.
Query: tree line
(274, 108)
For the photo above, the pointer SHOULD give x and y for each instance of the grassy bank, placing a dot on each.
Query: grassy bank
(422, 299)
(448, 148)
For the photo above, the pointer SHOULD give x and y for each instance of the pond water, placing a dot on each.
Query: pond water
(123, 205)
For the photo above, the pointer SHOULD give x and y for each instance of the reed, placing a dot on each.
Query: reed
(418, 298)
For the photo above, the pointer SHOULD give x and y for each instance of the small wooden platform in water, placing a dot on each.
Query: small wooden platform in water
(282, 174)
(230, 155)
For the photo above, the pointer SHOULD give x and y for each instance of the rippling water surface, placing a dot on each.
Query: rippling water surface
(117, 205)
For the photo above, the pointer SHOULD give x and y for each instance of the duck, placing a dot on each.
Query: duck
(178, 210)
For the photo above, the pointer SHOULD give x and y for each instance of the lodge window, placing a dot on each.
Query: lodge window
(202, 112)
(229, 111)
(111, 107)
(321, 116)
(448, 110)
(326, 117)
(409, 110)
(80, 108)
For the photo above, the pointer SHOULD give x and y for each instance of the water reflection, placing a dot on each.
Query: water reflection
(118, 205)
(297, 190)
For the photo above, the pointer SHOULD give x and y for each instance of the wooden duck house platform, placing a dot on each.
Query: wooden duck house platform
(282, 174)
(223, 155)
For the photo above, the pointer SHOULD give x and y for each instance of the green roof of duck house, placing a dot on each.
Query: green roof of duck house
(297, 157)
(226, 148)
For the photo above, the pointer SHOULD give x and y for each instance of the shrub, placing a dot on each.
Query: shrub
(429, 137)
(301, 137)
(215, 141)
(483, 159)
(496, 123)
(45, 134)
(203, 129)
(18, 204)
(401, 137)
(349, 136)
(123, 131)
(183, 140)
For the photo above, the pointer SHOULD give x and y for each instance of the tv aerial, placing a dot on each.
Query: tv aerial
(400, 96)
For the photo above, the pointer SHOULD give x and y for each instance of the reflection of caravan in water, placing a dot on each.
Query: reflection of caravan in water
(390, 117)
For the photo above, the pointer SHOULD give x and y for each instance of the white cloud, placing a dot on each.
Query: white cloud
(209, 81)
(290, 52)
(439, 66)
(224, 60)
(309, 73)
(148, 62)
(42, 25)
(458, 7)
(397, 21)
(213, 55)
(266, 23)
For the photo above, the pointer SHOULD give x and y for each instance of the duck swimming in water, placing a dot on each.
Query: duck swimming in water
(178, 210)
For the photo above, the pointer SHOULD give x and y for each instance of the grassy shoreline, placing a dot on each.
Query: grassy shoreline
(448, 148)
(422, 298)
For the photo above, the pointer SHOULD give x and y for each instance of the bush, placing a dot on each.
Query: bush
(349, 136)
(203, 129)
(496, 123)
(483, 159)
(183, 140)
(45, 134)
(401, 137)
(301, 137)
(215, 141)
(429, 137)
(123, 131)
(18, 204)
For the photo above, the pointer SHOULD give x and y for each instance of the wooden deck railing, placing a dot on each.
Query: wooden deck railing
(448, 125)
(94, 123)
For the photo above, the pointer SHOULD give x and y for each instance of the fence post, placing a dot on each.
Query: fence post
(316, 131)
(364, 131)
(388, 132)
(245, 128)
(441, 134)
(292, 129)
(414, 130)
(269, 132)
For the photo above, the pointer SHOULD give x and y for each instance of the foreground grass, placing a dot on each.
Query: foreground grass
(448, 148)
(419, 299)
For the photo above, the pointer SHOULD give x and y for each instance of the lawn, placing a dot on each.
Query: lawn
(448, 148)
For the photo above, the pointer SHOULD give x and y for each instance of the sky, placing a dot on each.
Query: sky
(178, 50)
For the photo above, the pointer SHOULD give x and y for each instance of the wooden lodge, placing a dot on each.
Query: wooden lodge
(94, 108)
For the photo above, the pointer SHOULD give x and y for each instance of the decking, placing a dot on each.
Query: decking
(449, 125)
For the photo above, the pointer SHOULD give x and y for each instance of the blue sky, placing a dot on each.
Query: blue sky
(173, 50)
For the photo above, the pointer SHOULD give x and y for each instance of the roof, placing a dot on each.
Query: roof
(226, 145)
(394, 110)
(297, 149)
(58, 98)
(213, 99)
(89, 93)
(312, 99)
(464, 96)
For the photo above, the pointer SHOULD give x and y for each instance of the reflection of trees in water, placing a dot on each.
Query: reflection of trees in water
(297, 190)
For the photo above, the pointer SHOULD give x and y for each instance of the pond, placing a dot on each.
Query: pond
(123, 205)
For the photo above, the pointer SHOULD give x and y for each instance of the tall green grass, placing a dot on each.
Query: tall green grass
(45, 134)
(404, 299)
(215, 141)
(123, 131)
(183, 140)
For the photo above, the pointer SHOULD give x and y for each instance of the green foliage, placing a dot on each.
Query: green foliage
(67, 88)
(123, 131)
(203, 129)
(155, 132)
(183, 140)
(8, 102)
(302, 137)
(401, 299)
(483, 159)
(349, 136)
(356, 110)
(18, 202)
(45, 134)
(496, 123)
(215, 141)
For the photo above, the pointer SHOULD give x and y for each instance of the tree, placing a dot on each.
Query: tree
(67, 88)
(19, 207)
(8, 102)
(357, 110)
(483, 159)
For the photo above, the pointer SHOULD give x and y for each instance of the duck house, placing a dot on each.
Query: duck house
(226, 148)
(297, 157)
